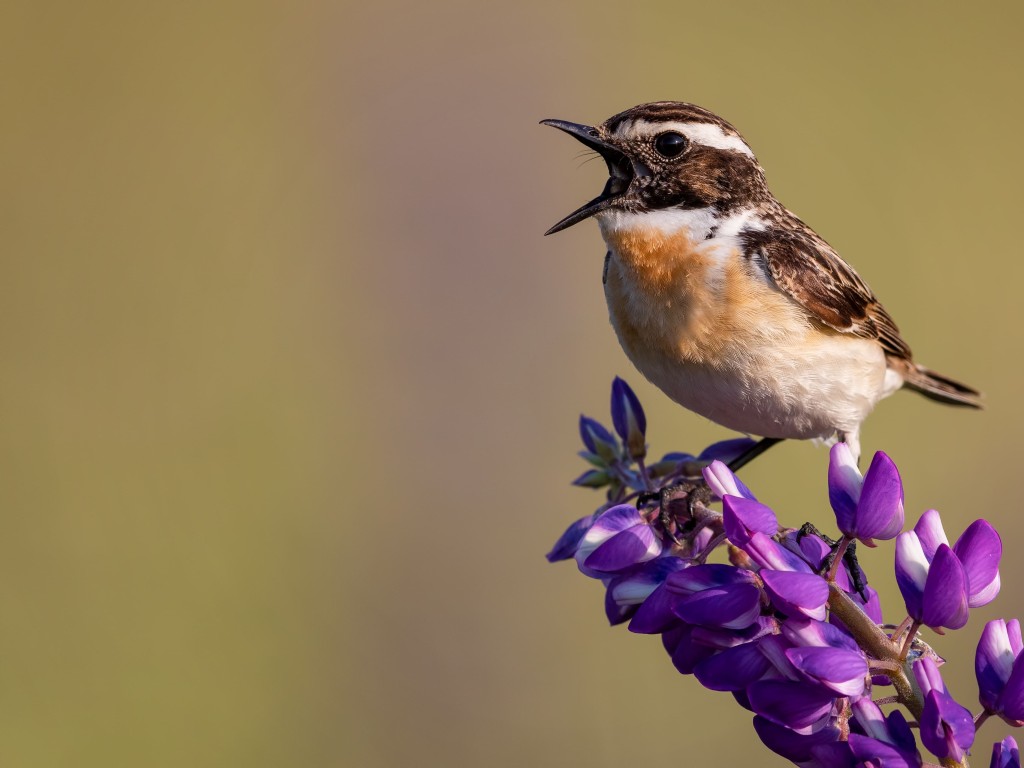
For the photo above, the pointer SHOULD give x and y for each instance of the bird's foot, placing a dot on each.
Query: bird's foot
(857, 576)
(679, 506)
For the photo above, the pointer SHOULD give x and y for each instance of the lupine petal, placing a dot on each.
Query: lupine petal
(635, 585)
(844, 486)
(929, 530)
(688, 654)
(742, 517)
(716, 637)
(817, 634)
(841, 670)
(928, 677)
(733, 669)
(796, 593)
(567, 543)
(700, 577)
(634, 545)
(870, 718)
(980, 549)
(628, 418)
(874, 752)
(947, 729)
(733, 607)
(911, 571)
(880, 508)
(655, 614)
(1011, 702)
(790, 703)
(993, 663)
(795, 747)
(1005, 754)
(598, 440)
(945, 593)
(616, 613)
(768, 553)
(724, 482)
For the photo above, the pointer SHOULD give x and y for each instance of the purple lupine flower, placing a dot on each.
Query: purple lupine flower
(947, 728)
(812, 750)
(723, 481)
(601, 444)
(792, 703)
(827, 655)
(999, 667)
(628, 419)
(1005, 754)
(796, 594)
(867, 507)
(940, 584)
(569, 541)
(618, 539)
(743, 516)
(733, 669)
(716, 595)
(635, 585)
(880, 740)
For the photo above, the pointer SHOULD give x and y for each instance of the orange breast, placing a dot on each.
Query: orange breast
(692, 300)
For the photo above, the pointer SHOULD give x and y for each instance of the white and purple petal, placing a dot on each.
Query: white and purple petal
(911, 571)
(569, 541)
(734, 607)
(947, 728)
(930, 532)
(842, 670)
(844, 486)
(796, 593)
(742, 517)
(993, 661)
(1005, 754)
(724, 482)
(980, 549)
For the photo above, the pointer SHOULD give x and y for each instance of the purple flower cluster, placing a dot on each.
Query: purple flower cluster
(783, 625)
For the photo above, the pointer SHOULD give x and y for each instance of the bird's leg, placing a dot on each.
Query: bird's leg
(753, 452)
(678, 505)
(857, 577)
(695, 493)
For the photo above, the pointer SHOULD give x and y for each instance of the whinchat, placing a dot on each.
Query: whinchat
(727, 301)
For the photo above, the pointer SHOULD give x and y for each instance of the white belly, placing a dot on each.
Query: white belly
(805, 389)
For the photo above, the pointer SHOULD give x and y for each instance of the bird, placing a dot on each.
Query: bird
(727, 301)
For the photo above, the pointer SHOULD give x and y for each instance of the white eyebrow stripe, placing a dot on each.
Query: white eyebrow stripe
(708, 134)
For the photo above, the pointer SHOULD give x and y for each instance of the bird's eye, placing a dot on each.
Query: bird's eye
(670, 144)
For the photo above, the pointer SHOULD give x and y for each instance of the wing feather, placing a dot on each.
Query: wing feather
(803, 266)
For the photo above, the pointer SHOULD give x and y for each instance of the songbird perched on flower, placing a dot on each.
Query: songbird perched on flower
(727, 301)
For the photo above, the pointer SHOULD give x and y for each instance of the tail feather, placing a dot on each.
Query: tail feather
(938, 387)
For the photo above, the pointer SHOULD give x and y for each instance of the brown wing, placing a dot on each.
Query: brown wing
(805, 267)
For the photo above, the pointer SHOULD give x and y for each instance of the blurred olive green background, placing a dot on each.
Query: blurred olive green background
(290, 377)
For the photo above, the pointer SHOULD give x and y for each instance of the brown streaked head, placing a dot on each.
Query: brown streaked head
(667, 154)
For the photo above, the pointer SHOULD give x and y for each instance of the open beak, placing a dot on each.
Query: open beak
(620, 172)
